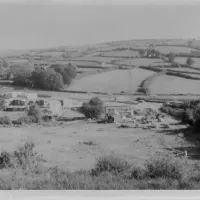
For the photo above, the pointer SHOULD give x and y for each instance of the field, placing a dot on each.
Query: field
(182, 60)
(183, 69)
(66, 145)
(174, 85)
(173, 49)
(141, 62)
(96, 59)
(111, 82)
(124, 53)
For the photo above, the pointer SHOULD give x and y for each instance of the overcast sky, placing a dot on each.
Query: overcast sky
(24, 26)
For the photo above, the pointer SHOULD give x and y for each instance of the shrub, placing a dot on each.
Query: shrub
(189, 116)
(93, 109)
(25, 157)
(35, 112)
(163, 168)
(5, 159)
(110, 164)
(5, 120)
(135, 172)
(33, 119)
(171, 57)
(21, 120)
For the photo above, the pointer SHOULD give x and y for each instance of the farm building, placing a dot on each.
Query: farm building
(39, 64)
(54, 106)
(15, 104)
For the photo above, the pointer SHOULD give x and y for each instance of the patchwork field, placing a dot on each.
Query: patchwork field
(174, 85)
(173, 49)
(111, 82)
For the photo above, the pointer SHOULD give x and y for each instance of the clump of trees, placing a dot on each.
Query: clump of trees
(93, 109)
(189, 61)
(22, 78)
(53, 78)
(68, 72)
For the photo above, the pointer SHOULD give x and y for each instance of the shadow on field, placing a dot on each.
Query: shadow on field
(176, 131)
(193, 149)
(193, 152)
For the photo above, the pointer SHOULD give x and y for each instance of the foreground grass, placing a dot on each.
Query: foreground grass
(110, 172)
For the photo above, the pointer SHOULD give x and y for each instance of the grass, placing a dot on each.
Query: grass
(165, 84)
(110, 172)
(173, 49)
(141, 62)
(123, 53)
(182, 60)
(112, 82)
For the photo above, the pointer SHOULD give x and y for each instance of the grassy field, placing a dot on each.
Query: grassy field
(124, 53)
(111, 82)
(141, 61)
(182, 60)
(97, 156)
(173, 49)
(96, 58)
(174, 85)
(183, 69)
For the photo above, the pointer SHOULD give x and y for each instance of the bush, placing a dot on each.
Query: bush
(93, 109)
(5, 120)
(189, 116)
(21, 120)
(5, 159)
(110, 164)
(35, 113)
(163, 168)
(171, 57)
(25, 157)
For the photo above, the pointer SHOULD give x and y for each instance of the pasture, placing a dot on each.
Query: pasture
(182, 60)
(173, 49)
(141, 61)
(95, 59)
(121, 54)
(165, 84)
(112, 82)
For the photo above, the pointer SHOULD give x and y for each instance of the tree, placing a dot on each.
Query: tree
(93, 109)
(22, 78)
(171, 57)
(189, 61)
(141, 52)
(68, 72)
(35, 112)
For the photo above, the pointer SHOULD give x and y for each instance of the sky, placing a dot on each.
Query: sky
(46, 23)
